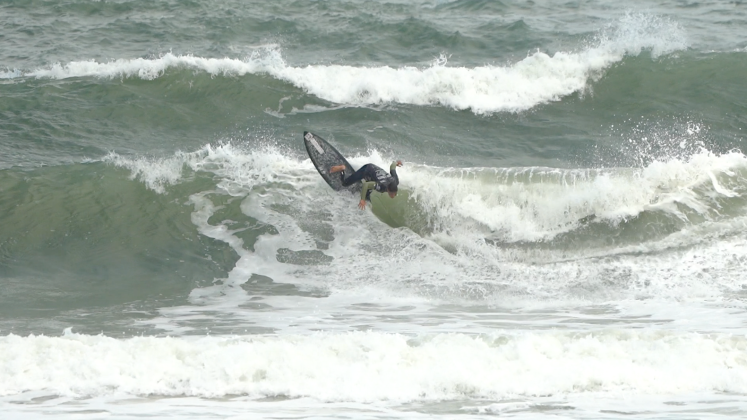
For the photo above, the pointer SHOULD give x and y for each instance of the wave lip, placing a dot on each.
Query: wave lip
(539, 78)
(10, 74)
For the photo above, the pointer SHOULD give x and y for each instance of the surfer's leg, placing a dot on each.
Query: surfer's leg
(356, 177)
(341, 170)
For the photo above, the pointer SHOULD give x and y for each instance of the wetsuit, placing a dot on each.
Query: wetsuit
(373, 177)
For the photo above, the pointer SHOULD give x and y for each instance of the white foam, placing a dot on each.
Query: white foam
(10, 74)
(240, 168)
(155, 173)
(539, 78)
(533, 204)
(370, 366)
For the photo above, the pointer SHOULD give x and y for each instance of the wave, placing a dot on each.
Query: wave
(537, 79)
(535, 204)
(471, 233)
(376, 366)
(507, 204)
(474, 234)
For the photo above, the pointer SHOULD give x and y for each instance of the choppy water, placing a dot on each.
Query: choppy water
(568, 240)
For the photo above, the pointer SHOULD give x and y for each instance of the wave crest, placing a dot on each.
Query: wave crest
(537, 79)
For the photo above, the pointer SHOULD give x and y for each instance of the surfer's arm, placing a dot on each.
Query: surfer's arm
(366, 187)
(393, 169)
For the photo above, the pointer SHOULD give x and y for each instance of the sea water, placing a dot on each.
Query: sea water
(568, 240)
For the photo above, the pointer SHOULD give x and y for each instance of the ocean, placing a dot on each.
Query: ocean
(568, 240)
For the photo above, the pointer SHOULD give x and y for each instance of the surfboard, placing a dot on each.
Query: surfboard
(324, 156)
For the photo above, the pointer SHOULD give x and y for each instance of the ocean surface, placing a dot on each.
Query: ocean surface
(569, 241)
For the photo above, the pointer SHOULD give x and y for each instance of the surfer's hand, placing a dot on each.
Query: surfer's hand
(362, 205)
(399, 163)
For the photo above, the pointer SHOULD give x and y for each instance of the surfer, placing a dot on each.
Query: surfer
(374, 179)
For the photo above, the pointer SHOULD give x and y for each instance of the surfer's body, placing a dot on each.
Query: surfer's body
(373, 177)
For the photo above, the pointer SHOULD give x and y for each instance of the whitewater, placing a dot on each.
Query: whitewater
(567, 241)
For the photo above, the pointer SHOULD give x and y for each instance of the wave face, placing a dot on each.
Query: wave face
(567, 239)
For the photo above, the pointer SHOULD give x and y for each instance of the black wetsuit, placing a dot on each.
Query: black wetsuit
(373, 177)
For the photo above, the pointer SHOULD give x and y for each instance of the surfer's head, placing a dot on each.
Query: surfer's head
(392, 190)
